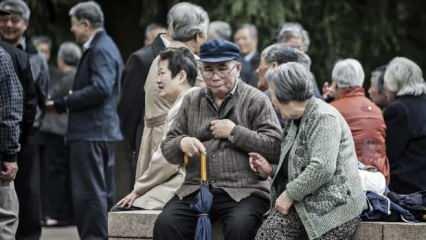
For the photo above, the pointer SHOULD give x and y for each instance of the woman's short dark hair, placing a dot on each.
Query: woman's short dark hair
(292, 82)
(181, 59)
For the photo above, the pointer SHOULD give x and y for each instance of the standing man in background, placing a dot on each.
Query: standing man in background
(246, 38)
(188, 26)
(93, 127)
(131, 114)
(57, 187)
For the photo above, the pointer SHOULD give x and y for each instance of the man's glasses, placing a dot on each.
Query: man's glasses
(222, 71)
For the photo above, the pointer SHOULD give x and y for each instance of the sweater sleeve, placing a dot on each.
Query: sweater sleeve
(323, 139)
(265, 135)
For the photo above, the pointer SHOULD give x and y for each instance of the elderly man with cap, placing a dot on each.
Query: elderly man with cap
(226, 121)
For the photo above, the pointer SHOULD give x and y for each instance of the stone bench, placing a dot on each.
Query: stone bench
(136, 225)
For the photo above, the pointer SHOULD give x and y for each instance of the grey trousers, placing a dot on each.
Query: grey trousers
(9, 209)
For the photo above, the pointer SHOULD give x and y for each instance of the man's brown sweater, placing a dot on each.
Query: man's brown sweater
(257, 130)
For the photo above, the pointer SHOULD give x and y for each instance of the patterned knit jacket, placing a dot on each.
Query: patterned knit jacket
(321, 169)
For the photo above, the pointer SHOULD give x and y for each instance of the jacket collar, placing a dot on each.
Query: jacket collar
(158, 44)
(353, 92)
(228, 103)
(311, 106)
(234, 90)
(93, 39)
(291, 132)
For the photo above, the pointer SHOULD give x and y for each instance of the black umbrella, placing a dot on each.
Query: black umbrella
(203, 204)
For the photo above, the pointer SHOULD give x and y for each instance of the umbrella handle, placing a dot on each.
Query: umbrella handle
(203, 167)
(203, 164)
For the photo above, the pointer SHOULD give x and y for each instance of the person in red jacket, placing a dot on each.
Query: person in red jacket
(364, 118)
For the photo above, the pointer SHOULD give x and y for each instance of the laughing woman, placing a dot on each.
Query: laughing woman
(316, 189)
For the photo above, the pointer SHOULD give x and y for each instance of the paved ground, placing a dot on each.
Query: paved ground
(62, 233)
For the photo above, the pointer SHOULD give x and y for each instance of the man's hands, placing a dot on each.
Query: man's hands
(283, 203)
(222, 128)
(8, 171)
(260, 165)
(192, 146)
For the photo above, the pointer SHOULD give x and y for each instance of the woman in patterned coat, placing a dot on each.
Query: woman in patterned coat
(316, 189)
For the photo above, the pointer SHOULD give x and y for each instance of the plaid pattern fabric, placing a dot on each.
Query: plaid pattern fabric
(11, 108)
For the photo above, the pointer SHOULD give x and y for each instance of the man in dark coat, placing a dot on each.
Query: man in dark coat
(93, 127)
(131, 108)
(246, 38)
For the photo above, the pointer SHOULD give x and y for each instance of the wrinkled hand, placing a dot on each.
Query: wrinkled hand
(127, 201)
(222, 128)
(192, 146)
(283, 203)
(8, 171)
(260, 165)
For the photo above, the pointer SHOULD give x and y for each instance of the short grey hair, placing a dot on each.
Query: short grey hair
(348, 73)
(186, 20)
(280, 54)
(70, 53)
(90, 11)
(292, 82)
(220, 30)
(251, 28)
(294, 29)
(154, 26)
(404, 77)
(16, 7)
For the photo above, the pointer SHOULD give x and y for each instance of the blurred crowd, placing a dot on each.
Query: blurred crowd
(274, 140)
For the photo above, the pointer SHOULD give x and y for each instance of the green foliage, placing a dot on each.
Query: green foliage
(370, 31)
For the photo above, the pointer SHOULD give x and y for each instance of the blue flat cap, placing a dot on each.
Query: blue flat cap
(218, 50)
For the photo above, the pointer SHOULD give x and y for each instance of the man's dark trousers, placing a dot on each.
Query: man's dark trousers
(240, 219)
(28, 191)
(57, 180)
(92, 177)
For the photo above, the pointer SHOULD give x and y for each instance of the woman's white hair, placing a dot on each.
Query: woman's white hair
(404, 77)
(348, 73)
